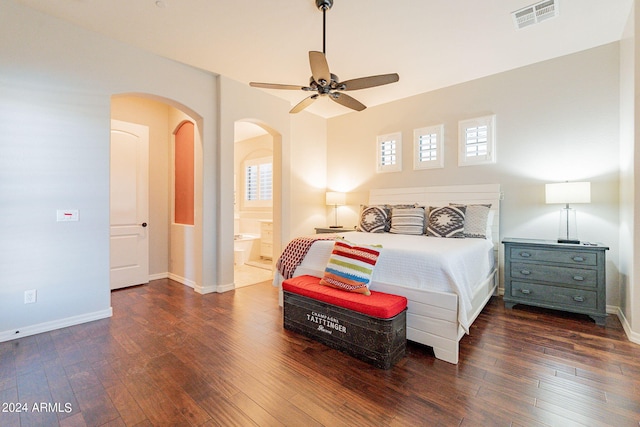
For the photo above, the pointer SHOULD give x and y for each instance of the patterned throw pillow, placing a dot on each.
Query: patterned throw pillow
(446, 221)
(407, 220)
(350, 267)
(373, 219)
(475, 221)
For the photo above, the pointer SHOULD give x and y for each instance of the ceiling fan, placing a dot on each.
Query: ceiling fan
(326, 83)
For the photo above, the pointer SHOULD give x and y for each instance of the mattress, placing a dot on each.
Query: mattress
(420, 262)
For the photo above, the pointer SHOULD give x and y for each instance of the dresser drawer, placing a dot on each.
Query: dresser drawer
(266, 250)
(267, 236)
(554, 295)
(554, 274)
(556, 256)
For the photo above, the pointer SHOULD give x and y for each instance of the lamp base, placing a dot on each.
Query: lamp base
(568, 231)
(572, 241)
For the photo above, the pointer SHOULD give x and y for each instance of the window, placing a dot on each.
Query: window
(258, 180)
(477, 143)
(389, 152)
(428, 149)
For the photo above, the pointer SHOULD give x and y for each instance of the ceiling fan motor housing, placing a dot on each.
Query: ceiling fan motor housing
(323, 87)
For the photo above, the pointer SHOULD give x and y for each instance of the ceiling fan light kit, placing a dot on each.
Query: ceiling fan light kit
(326, 83)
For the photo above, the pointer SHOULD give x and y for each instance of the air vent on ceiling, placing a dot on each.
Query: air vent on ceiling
(535, 13)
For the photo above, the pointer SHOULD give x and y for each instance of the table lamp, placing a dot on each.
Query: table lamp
(567, 193)
(336, 199)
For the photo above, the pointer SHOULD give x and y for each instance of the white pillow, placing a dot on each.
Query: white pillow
(476, 222)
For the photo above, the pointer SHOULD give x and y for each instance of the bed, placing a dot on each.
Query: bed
(447, 281)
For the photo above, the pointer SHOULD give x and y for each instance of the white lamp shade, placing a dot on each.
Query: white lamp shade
(336, 198)
(568, 192)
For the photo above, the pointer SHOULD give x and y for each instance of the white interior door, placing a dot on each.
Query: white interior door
(129, 204)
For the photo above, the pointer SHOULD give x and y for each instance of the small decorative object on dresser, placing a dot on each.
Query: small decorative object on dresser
(568, 277)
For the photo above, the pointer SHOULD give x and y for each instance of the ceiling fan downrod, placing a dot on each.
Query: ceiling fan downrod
(324, 5)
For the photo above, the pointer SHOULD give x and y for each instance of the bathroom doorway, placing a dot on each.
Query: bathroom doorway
(253, 204)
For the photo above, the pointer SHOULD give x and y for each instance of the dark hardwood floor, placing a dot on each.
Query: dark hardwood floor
(170, 356)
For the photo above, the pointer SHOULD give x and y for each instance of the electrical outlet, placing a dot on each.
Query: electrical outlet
(30, 296)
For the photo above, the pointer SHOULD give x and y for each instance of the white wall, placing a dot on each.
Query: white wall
(56, 83)
(633, 293)
(308, 174)
(555, 121)
(629, 158)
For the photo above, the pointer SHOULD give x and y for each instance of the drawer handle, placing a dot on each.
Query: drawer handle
(525, 272)
(578, 299)
(578, 278)
(578, 259)
(525, 254)
(525, 291)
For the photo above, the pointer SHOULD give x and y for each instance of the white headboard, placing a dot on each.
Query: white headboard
(441, 196)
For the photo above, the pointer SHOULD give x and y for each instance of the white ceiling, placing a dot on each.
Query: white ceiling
(430, 43)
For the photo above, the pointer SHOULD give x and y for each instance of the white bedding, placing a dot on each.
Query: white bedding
(433, 263)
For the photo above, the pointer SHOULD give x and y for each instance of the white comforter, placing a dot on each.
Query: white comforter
(433, 263)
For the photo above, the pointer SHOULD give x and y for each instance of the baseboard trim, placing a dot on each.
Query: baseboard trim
(225, 288)
(634, 337)
(53, 325)
(183, 280)
(159, 276)
(201, 289)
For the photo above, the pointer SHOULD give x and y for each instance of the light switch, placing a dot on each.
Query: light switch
(67, 215)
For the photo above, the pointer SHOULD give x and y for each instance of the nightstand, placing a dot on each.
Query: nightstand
(560, 276)
(325, 230)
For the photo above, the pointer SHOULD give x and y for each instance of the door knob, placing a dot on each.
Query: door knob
(144, 224)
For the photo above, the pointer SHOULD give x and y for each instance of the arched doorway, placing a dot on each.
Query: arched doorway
(174, 252)
(257, 195)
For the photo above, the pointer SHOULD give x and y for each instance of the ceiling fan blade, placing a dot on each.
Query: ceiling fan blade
(347, 101)
(367, 82)
(303, 104)
(276, 86)
(319, 67)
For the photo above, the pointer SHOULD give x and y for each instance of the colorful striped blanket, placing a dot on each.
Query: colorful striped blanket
(295, 252)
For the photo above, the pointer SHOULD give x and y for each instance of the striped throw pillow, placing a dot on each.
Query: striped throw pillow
(407, 220)
(350, 267)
